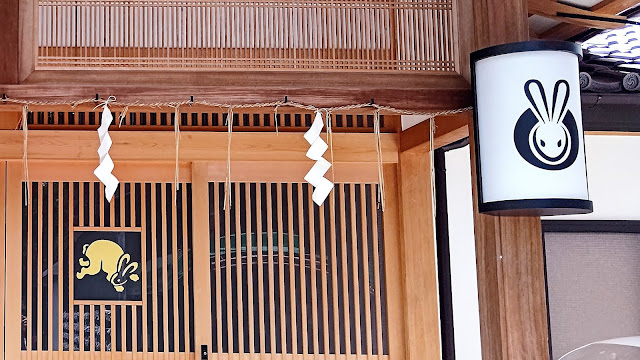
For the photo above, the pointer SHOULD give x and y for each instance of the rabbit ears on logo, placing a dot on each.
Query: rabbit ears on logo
(539, 104)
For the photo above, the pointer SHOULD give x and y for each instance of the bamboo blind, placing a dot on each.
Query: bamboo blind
(53, 322)
(382, 35)
(205, 121)
(289, 277)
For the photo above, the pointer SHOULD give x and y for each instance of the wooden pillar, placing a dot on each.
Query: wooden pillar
(509, 250)
(422, 330)
(9, 55)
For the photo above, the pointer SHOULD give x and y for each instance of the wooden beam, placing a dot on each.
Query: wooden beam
(498, 22)
(194, 146)
(509, 251)
(449, 129)
(9, 56)
(550, 9)
(608, 7)
(410, 90)
(422, 317)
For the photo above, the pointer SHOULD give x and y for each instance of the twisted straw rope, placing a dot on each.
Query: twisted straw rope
(276, 104)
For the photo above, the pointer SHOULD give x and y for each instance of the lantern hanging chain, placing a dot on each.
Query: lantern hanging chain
(376, 129)
(173, 104)
(25, 142)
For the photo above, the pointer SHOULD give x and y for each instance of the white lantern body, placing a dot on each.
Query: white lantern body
(529, 140)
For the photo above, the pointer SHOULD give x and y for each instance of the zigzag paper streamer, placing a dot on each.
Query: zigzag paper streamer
(103, 171)
(318, 147)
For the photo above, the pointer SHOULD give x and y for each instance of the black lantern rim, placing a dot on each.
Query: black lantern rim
(537, 207)
(527, 46)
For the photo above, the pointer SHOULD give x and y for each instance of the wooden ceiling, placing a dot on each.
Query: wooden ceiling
(567, 28)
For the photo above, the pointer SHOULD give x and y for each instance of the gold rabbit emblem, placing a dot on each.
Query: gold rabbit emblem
(108, 256)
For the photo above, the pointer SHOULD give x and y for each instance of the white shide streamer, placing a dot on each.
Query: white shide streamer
(315, 176)
(103, 171)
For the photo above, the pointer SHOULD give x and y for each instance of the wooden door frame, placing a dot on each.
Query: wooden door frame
(44, 171)
(204, 172)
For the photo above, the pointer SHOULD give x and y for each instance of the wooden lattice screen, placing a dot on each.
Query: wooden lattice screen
(54, 321)
(288, 277)
(380, 35)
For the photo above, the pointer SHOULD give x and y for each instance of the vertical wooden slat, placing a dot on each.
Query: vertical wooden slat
(201, 260)
(92, 330)
(227, 264)
(345, 273)
(124, 328)
(154, 265)
(215, 201)
(92, 206)
(49, 268)
(323, 281)
(292, 274)
(185, 269)
(39, 272)
(314, 288)
(143, 225)
(259, 245)
(250, 295)
(165, 267)
(61, 250)
(376, 268)
(303, 270)
(100, 205)
(354, 259)
(174, 252)
(71, 213)
(103, 328)
(365, 267)
(334, 270)
(239, 290)
(81, 326)
(283, 327)
(134, 331)
(272, 302)
(112, 318)
(11, 192)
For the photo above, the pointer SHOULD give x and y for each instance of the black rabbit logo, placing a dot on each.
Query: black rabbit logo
(547, 138)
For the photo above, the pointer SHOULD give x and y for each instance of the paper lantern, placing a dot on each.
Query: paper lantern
(529, 141)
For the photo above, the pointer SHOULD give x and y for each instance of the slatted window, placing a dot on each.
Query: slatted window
(289, 277)
(52, 320)
(379, 35)
(205, 121)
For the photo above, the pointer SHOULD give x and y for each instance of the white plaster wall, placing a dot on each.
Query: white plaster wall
(613, 169)
(464, 285)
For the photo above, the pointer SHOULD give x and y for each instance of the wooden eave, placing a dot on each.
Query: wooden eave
(413, 91)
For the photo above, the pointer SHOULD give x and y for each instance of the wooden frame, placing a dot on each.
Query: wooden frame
(418, 90)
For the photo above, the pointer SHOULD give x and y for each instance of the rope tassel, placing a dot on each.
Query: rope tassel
(103, 171)
(315, 176)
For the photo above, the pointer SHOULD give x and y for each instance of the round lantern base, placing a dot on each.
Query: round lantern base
(537, 207)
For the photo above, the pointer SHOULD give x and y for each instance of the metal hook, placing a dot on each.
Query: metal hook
(371, 102)
(597, 101)
(191, 100)
(97, 98)
(4, 97)
(286, 99)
